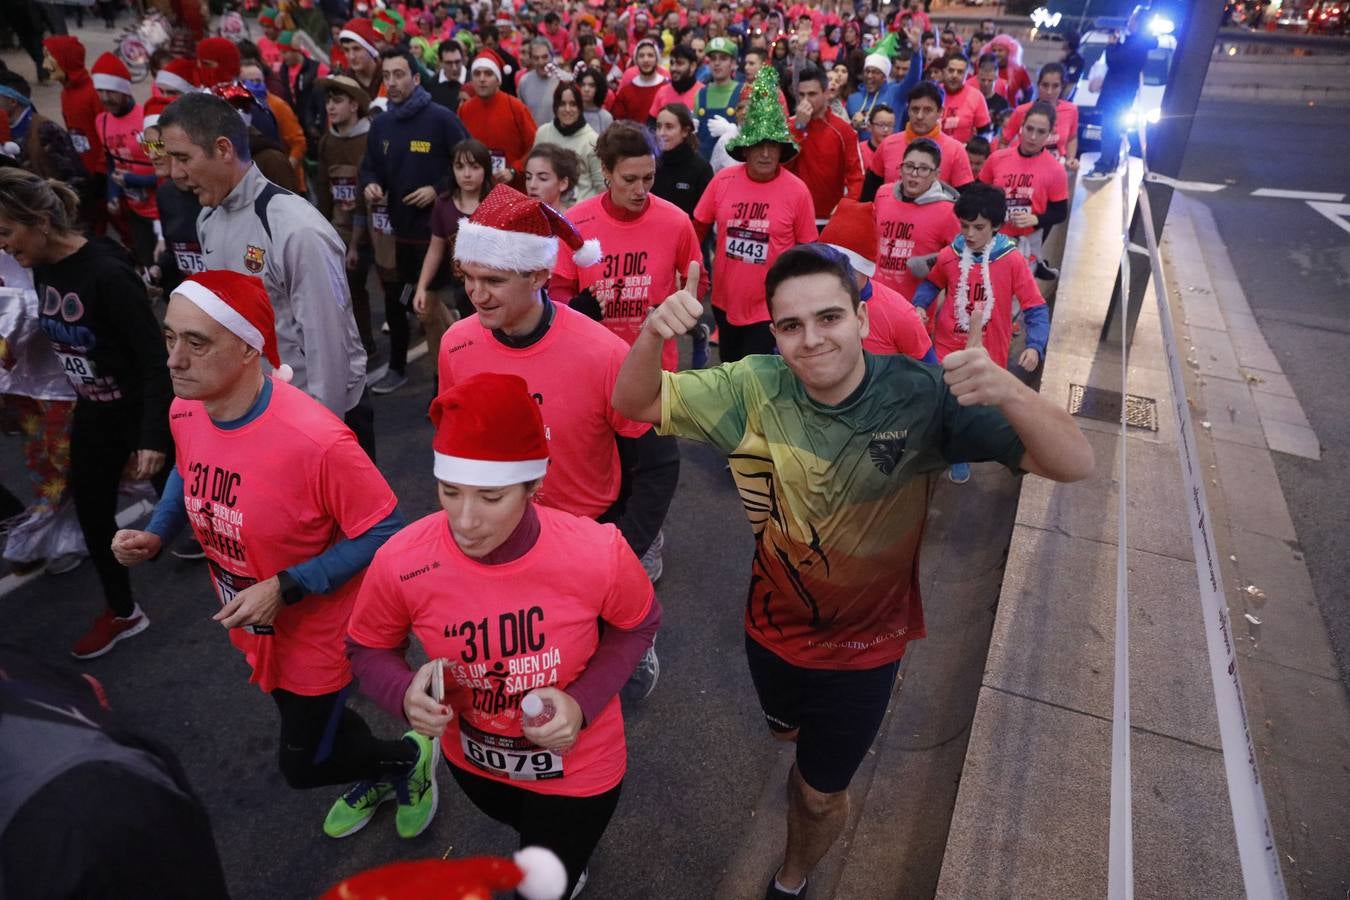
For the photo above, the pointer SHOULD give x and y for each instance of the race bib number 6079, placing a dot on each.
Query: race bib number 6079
(512, 757)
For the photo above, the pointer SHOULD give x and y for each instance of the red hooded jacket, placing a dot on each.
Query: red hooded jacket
(80, 105)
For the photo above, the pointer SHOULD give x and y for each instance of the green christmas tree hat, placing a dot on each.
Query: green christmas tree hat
(764, 119)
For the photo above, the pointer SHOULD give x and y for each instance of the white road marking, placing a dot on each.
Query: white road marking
(1338, 213)
(1208, 187)
(125, 518)
(1298, 195)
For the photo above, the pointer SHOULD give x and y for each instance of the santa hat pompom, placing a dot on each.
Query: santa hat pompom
(545, 878)
(589, 254)
(284, 373)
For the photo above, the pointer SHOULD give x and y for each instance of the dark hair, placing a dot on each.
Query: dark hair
(978, 146)
(803, 261)
(953, 57)
(816, 74)
(32, 201)
(761, 52)
(159, 58)
(877, 110)
(248, 50)
(925, 90)
(16, 82)
(566, 164)
(601, 86)
(478, 153)
(686, 120)
(490, 33)
(623, 140)
(401, 53)
(568, 87)
(206, 118)
(449, 44)
(1050, 68)
(925, 145)
(685, 52)
(980, 199)
(1042, 108)
(987, 59)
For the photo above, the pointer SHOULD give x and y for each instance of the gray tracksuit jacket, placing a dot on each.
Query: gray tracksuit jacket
(267, 231)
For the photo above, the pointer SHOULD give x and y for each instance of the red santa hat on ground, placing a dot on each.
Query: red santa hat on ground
(178, 75)
(362, 32)
(517, 233)
(240, 303)
(110, 74)
(217, 61)
(153, 107)
(489, 432)
(535, 874)
(488, 59)
(853, 232)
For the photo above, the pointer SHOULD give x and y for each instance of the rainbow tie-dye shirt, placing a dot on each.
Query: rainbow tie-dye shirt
(837, 496)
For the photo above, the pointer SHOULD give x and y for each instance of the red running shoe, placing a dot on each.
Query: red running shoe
(108, 630)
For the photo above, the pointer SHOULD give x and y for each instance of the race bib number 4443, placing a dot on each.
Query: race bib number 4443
(511, 757)
(747, 245)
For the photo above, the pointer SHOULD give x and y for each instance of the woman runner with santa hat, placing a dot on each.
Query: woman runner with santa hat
(507, 598)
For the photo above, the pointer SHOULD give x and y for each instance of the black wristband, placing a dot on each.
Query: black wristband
(292, 591)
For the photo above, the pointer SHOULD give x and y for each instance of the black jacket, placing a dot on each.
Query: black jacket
(681, 177)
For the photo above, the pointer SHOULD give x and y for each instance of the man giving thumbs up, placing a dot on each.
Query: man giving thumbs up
(832, 449)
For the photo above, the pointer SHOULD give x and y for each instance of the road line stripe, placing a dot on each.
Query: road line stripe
(1338, 213)
(1298, 195)
(126, 517)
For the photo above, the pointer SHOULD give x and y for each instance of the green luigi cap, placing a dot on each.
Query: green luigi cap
(720, 44)
(764, 119)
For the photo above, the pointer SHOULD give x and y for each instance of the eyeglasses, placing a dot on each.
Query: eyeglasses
(915, 169)
(153, 149)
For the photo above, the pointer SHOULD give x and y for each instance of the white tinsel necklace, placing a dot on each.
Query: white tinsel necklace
(961, 311)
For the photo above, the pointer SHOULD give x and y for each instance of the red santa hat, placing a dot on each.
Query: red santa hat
(853, 232)
(67, 50)
(488, 59)
(535, 874)
(362, 32)
(517, 233)
(217, 61)
(153, 107)
(110, 74)
(178, 75)
(489, 432)
(240, 303)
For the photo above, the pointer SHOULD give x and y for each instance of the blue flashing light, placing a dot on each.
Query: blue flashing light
(1160, 25)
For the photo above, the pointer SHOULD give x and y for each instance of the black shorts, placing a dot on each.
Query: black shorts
(835, 712)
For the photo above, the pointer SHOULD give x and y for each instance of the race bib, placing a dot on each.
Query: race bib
(1019, 208)
(498, 162)
(747, 246)
(512, 757)
(951, 123)
(344, 190)
(79, 141)
(79, 368)
(188, 257)
(228, 586)
(379, 219)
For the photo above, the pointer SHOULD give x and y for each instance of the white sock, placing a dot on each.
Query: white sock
(787, 890)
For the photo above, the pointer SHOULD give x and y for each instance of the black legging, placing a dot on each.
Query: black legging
(569, 826)
(739, 341)
(323, 742)
(102, 438)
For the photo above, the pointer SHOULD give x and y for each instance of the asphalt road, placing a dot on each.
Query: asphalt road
(1294, 266)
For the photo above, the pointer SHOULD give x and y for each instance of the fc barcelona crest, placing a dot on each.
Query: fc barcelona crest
(253, 258)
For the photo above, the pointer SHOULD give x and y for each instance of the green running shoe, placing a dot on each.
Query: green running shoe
(416, 791)
(354, 809)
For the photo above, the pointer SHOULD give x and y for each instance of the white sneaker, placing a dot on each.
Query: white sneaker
(651, 560)
(643, 680)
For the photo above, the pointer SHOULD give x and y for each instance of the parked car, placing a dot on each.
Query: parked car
(1149, 102)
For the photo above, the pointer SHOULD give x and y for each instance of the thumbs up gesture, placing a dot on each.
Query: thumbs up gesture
(974, 378)
(679, 312)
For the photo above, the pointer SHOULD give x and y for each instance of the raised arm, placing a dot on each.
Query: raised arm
(637, 390)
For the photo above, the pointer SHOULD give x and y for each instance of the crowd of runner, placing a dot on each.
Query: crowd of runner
(550, 193)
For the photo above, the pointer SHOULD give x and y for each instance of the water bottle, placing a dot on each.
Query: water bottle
(537, 711)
